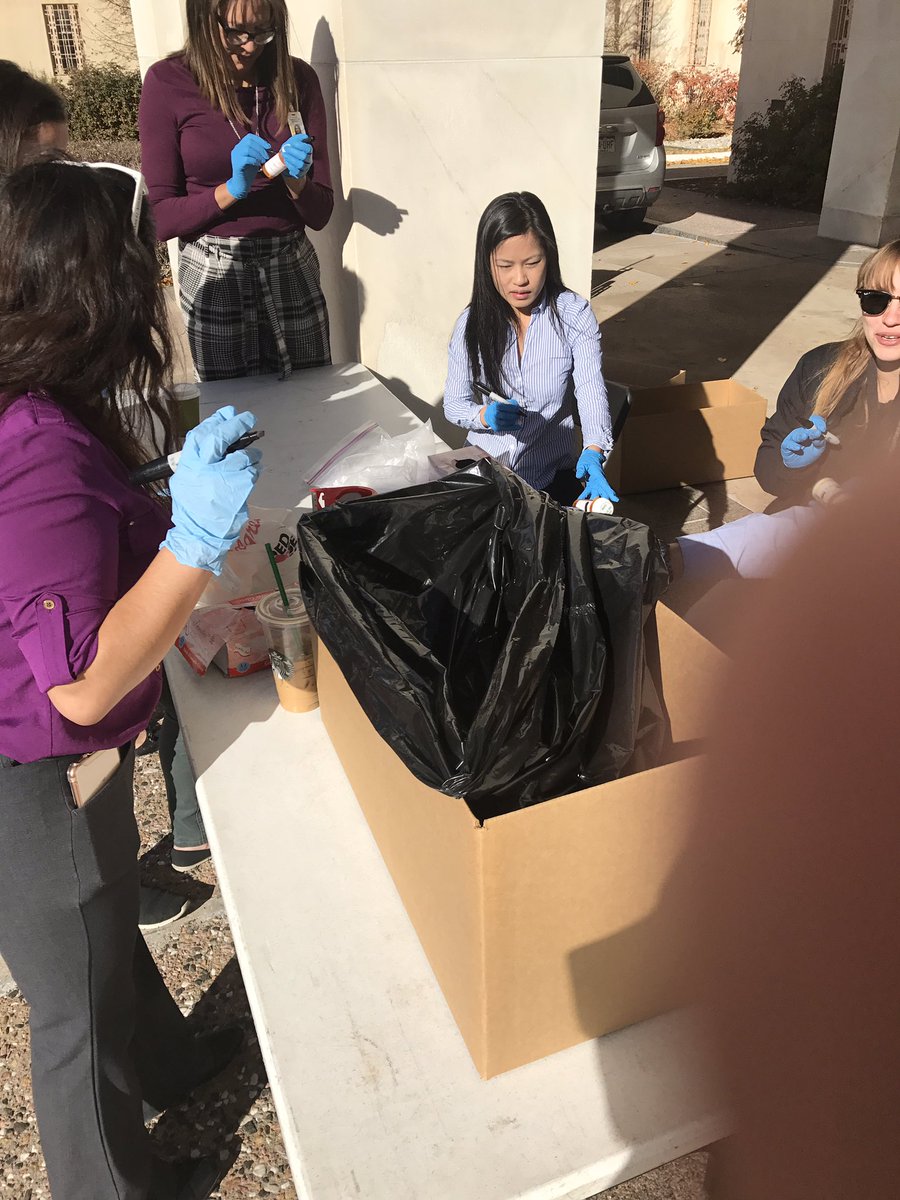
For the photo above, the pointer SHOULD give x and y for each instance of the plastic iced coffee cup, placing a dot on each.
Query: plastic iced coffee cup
(187, 401)
(289, 636)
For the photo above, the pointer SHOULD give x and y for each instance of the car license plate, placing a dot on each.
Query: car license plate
(607, 145)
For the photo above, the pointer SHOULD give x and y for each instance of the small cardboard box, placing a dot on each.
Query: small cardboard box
(548, 925)
(687, 433)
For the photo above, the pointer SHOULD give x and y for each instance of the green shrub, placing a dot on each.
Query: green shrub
(103, 102)
(781, 156)
(127, 153)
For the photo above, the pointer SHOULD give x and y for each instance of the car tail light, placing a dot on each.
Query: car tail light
(660, 127)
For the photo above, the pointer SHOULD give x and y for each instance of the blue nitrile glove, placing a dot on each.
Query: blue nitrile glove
(297, 154)
(210, 489)
(803, 447)
(246, 158)
(503, 416)
(590, 467)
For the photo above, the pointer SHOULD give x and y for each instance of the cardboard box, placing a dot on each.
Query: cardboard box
(687, 433)
(551, 924)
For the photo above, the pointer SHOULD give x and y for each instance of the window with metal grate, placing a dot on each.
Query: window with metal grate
(64, 37)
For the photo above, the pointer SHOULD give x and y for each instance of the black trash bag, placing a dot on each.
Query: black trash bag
(505, 647)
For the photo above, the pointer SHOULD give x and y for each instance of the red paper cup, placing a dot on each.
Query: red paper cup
(322, 497)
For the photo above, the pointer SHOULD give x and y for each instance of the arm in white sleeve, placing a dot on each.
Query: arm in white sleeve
(460, 406)
(590, 388)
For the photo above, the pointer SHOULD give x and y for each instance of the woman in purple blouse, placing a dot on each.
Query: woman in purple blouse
(210, 117)
(96, 580)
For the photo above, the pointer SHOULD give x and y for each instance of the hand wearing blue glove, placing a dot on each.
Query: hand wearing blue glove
(246, 158)
(210, 490)
(297, 154)
(803, 447)
(502, 416)
(590, 467)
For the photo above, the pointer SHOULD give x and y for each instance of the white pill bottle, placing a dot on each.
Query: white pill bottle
(599, 504)
(276, 164)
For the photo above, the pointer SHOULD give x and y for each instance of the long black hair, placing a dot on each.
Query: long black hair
(490, 316)
(82, 314)
(25, 103)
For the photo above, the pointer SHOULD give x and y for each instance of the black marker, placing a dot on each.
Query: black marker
(829, 437)
(162, 468)
(485, 391)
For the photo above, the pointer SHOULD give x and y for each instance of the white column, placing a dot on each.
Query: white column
(317, 35)
(780, 40)
(447, 106)
(159, 28)
(862, 194)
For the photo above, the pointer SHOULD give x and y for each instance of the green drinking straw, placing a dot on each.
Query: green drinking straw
(277, 574)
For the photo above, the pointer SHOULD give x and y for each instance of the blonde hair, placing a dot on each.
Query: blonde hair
(207, 60)
(854, 356)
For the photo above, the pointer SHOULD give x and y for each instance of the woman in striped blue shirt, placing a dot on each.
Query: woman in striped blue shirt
(525, 354)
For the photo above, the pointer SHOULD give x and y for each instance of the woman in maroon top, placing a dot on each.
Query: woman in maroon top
(211, 116)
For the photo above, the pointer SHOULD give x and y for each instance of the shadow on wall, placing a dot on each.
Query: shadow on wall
(344, 291)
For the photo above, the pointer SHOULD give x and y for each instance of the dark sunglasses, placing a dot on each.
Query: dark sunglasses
(240, 37)
(874, 303)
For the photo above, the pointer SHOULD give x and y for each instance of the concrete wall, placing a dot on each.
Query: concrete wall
(159, 28)
(723, 26)
(862, 195)
(25, 37)
(671, 35)
(780, 40)
(430, 117)
(105, 31)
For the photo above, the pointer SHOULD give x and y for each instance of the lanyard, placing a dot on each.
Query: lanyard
(256, 130)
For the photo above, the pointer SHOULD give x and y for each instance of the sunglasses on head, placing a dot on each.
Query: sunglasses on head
(235, 36)
(140, 187)
(874, 303)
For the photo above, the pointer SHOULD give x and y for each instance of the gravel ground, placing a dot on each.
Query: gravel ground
(232, 1116)
(710, 144)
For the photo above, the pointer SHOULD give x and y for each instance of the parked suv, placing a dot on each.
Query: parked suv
(631, 161)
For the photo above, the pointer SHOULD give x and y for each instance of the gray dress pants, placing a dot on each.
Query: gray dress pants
(105, 1033)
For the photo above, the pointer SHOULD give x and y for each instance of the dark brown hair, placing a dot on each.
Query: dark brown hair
(25, 103)
(207, 60)
(82, 314)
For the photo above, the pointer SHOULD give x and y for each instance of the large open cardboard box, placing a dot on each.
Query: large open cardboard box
(554, 923)
(687, 433)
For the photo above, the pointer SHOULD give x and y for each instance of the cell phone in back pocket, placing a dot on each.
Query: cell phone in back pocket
(92, 772)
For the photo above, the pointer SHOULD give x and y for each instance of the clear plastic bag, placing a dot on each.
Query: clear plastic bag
(374, 459)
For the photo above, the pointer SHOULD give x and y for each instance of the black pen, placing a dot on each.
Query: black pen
(162, 468)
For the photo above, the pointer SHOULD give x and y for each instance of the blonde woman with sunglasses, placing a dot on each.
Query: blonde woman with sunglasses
(211, 117)
(837, 413)
(97, 577)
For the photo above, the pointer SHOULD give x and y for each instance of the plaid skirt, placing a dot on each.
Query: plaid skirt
(253, 305)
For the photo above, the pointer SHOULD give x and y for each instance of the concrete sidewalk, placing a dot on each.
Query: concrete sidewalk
(721, 289)
(784, 232)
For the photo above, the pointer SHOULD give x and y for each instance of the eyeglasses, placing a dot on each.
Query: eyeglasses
(874, 303)
(235, 36)
(140, 187)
